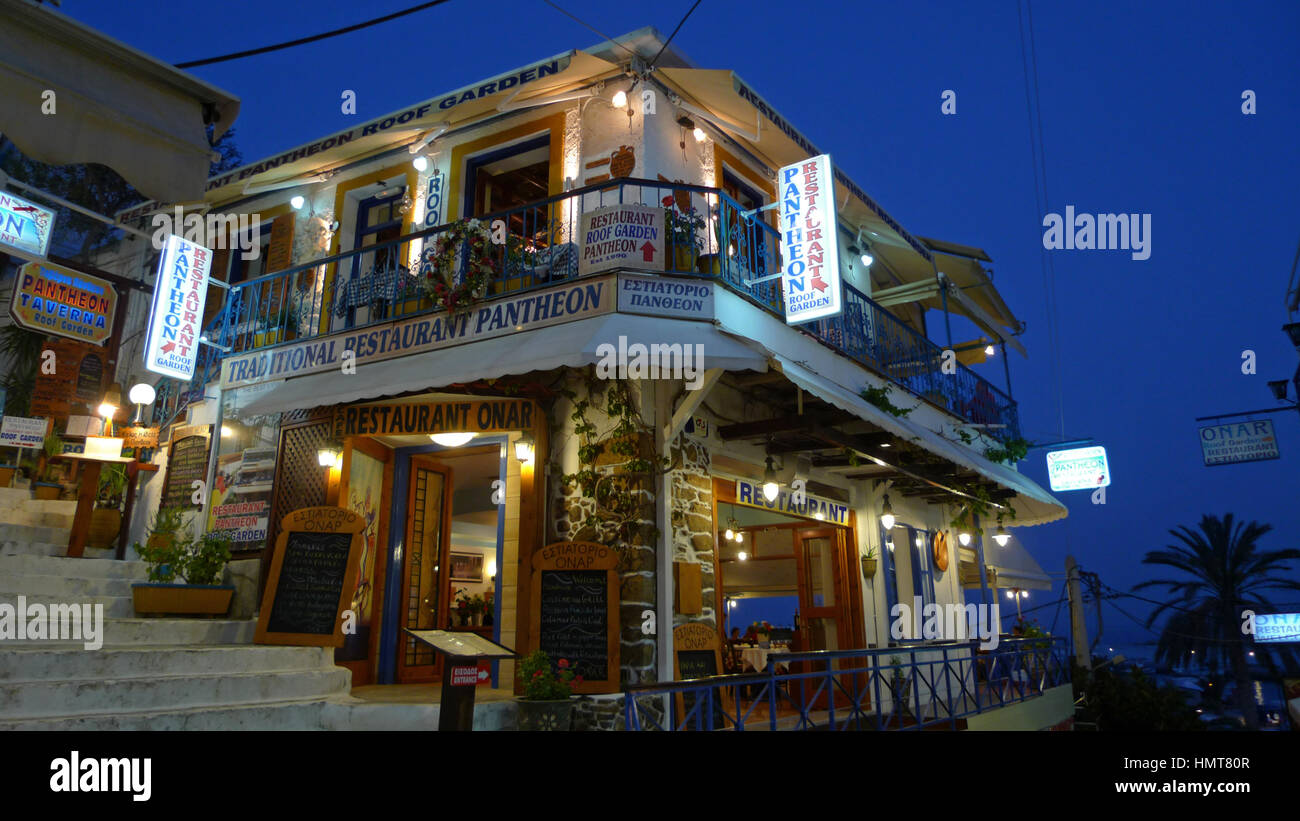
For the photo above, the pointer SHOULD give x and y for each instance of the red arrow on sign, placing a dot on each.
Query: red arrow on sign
(648, 251)
(819, 283)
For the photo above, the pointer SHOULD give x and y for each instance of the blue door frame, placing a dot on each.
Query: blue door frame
(392, 611)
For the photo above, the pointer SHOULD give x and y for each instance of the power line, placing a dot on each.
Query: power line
(312, 39)
(674, 34)
(585, 24)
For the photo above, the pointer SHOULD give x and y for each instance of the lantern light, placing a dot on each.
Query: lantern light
(770, 487)
(964, 538)
(1001, 536)
(887, 515)
(524, 448)
(421, 162)
(742, 555)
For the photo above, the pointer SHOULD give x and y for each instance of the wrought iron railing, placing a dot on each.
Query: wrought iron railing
(536, 245)
(893, 688)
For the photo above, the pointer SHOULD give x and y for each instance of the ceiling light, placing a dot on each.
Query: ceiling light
(227, 431)
(742, 555)
(887, 515)
(297, 202)
(699, 134)
(620, 99)
(770, 488)
(421, 162)
(989, 350)
(730, 535)
(740, 536)
(964, 538)
(451, 440)
(1001, 536)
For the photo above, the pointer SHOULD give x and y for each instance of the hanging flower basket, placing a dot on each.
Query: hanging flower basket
(458, 266)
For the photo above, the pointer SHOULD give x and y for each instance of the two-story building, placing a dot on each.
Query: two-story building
(547, 308)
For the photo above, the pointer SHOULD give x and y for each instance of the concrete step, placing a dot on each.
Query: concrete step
(36, 564)
(35, 699)
(165, 632)
(51, 549)
(115, 607)
(41, 585)
(357, 715)
(12, 498)
(23, 516)
(292, 714)
(34, 533)
(19, 663)
(64, 506)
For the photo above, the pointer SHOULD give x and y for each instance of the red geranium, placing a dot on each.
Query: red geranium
(563, 663)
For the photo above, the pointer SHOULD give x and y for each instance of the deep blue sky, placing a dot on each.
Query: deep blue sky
(1141, 109)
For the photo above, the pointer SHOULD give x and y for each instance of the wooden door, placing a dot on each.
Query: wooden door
(426, 586)
(826, 604)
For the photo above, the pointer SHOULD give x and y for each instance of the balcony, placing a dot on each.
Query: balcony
(382, 283)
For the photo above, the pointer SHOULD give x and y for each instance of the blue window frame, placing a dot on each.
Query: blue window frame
(378, 219)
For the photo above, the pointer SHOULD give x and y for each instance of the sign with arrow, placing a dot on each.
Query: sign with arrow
(621, 236)
(810, 270)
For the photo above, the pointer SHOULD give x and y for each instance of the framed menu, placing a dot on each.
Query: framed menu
(187, 463)
(575, 611)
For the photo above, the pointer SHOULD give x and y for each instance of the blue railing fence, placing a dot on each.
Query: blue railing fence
(707, 234)
(895, 688)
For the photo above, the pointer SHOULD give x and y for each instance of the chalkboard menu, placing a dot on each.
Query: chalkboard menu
(187, 463)
(313, 574)
(575, 611)
(697, 653)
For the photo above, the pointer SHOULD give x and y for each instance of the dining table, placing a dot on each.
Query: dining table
(756, 657)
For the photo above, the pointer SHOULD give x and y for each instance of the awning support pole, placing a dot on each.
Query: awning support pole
(943, 292)
(1006, 365)
(979, 550)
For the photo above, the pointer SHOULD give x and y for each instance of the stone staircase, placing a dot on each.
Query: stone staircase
(150, 673)
(161, 673)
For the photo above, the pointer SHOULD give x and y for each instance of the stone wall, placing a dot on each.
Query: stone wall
(692, 520)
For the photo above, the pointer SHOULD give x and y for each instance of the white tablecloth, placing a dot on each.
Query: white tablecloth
(756, 657)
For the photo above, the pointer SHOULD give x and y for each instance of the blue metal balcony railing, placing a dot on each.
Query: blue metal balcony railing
(383, 282)
(892, 688)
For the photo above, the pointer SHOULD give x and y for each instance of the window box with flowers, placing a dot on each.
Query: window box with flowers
(546, 702)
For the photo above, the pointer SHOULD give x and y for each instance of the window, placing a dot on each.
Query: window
(510, 178)
(242, 269)
(908, 576)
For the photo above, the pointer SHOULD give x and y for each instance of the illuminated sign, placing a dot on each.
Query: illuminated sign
(1239, 442)
(799, 504)
(22, 431)
(175, 321)
(51, 299)
(25, 225)
(1277, 628)
(1078, 469)
(810, 272)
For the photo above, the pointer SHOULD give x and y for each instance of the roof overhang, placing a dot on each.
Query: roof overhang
(114, 105)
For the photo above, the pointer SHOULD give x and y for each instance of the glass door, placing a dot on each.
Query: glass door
(425, 585)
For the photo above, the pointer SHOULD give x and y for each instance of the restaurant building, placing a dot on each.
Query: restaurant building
(545, 309)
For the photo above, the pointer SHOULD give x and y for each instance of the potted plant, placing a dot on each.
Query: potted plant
(682, 228)
(275, 327)
(545, 704)
(45, 484)
(898, 687)
(762, 633)
(106, 518)
(869, 563)
(172, 553)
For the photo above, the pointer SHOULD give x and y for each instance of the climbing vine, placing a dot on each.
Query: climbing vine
(979, 503)
(618, 489)
(1012, 451)
(880, 398)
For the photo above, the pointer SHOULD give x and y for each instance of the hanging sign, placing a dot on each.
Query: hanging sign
(1239, 442)
(1078, 469)
(24, 225)
(621, 236)
(51, 299)
(1277, 628)
(22, 431)
(810, 257)
(175, 321)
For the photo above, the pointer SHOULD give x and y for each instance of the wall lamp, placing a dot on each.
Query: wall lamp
(524, 449)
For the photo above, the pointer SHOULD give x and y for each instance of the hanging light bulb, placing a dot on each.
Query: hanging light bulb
(742, 555)
(887, 515)
(421, 162)
(1001, 536)
(740, 537)
(866, 257)
(620, 99)
(699, 134)
(989, 350)
(297, 203)
(730, 535)
(770, 488)
(964, 538)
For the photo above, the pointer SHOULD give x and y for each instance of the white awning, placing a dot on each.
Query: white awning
(1032, 504)
(114, 105)
(573, 344)
(1015, 566)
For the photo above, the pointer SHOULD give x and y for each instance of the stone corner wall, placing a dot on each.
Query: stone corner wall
(692, 521)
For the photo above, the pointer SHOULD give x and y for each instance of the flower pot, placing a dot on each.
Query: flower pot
(46, 490)
(545, 715)
(154, 598)
(6, 476)
(684, 257)
(710, 264)
(105, 524)
(264, 338)
(764, 640)
(868, 568)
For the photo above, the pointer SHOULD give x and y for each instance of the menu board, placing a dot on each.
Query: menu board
(697, 653)
(313, 573)
(187, 463)
(76, 377)
(575, 611)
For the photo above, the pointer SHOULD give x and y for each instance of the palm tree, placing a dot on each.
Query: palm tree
(1227, 573)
